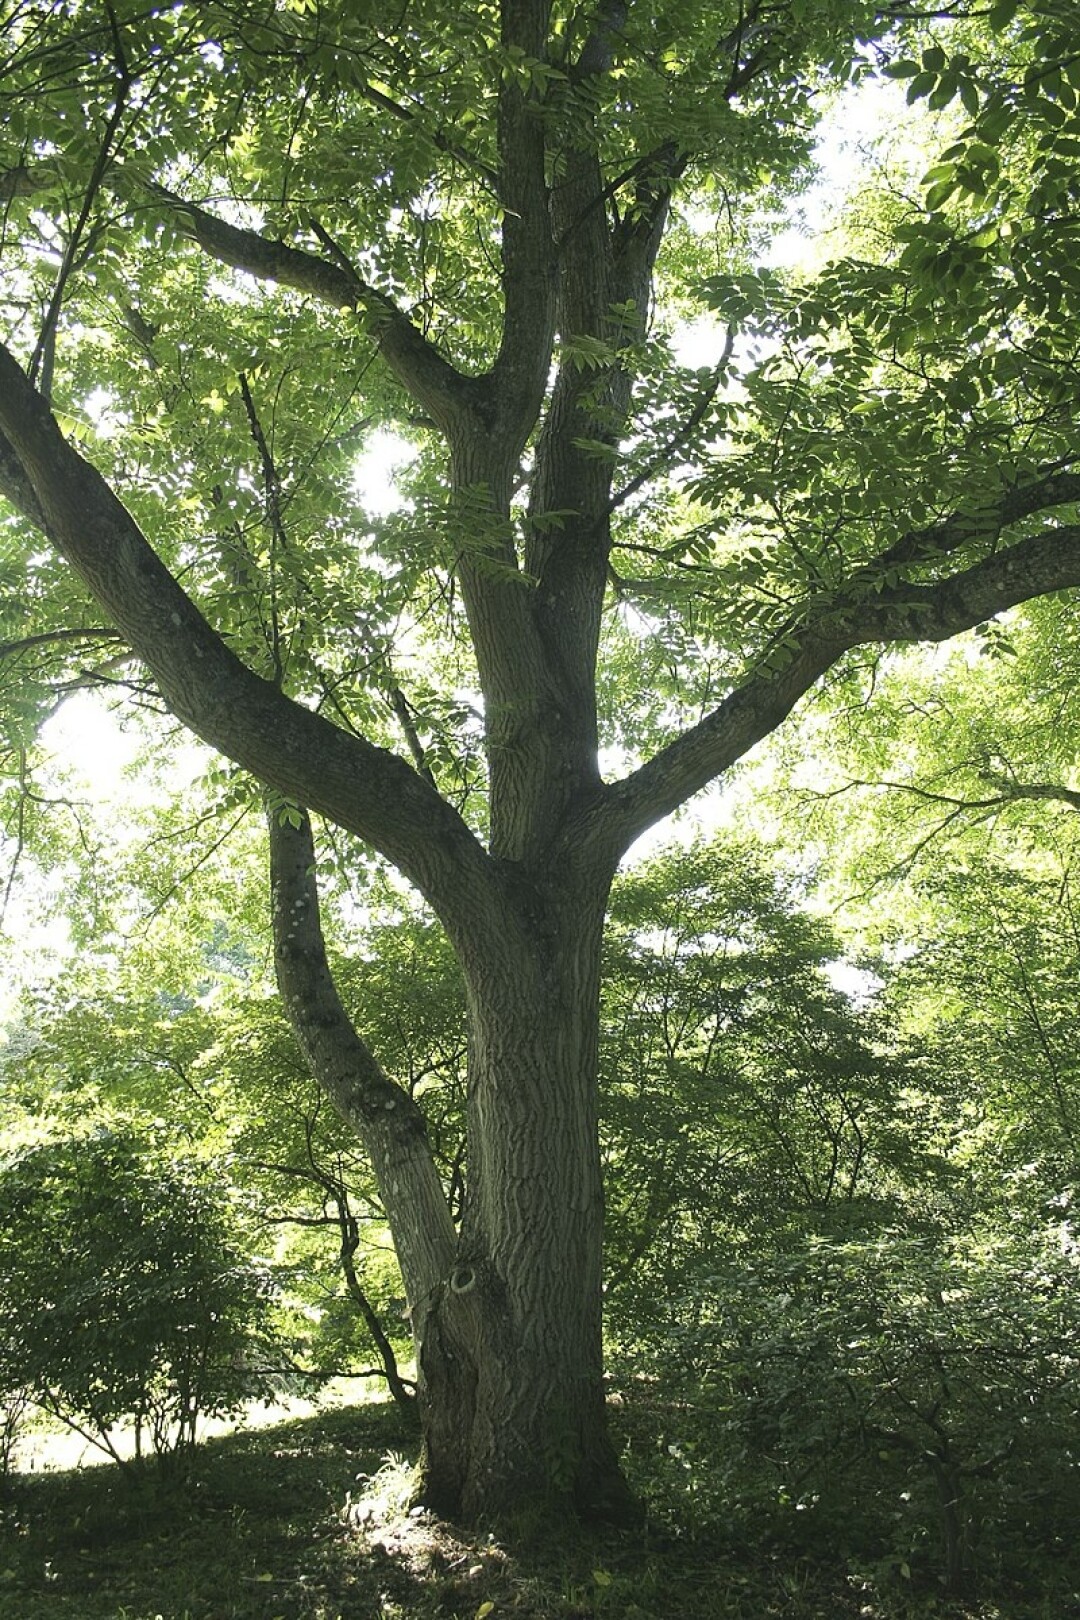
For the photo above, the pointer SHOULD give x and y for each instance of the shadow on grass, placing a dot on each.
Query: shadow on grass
(254, 1532)
(310, 1520)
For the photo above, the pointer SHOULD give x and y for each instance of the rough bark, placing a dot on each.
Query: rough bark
(506, 1314)
(512, 1359)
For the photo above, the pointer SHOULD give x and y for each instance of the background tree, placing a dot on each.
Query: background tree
(127, 1293)
(236, 235)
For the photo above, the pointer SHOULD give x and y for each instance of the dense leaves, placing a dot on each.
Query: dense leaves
(127, 1293)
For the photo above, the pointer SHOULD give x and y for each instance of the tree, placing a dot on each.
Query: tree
(742, 1092)
(127, 1293)
(951, 848)
(242, 233)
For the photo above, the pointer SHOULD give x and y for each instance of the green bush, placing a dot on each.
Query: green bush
(914, 1404)
(125, 1293)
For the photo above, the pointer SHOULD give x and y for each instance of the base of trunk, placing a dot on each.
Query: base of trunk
(506, 1439)
(508, 1488)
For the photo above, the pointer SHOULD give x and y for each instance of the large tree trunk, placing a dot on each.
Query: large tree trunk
(511, 1355)
(506, 1313)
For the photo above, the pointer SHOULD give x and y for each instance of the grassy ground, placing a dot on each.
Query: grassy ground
(309, 1520)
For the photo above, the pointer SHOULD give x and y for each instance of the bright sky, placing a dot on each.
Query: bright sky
(90, 740)
(862, 115)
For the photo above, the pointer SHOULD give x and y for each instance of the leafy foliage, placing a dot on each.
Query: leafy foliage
(127, 1293)
(909, 1404)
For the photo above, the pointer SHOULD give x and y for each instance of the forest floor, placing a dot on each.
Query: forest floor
(309, 1519)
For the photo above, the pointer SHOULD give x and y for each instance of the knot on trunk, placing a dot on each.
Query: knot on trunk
(462, 1279)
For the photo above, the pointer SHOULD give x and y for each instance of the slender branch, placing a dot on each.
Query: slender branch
(48, 638)
(1009, 792)
(350, 1242)
(20, 838)
(206, 854)
(438, 387)
(677, 439)
(386, 1118)
(1056, 486)
(42, 357)
(337, 1193)
(438, 138)
(275, 522)
(412, 736)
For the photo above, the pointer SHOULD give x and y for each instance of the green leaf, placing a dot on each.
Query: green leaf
(921, 85)
(969, 96)
(940, 193)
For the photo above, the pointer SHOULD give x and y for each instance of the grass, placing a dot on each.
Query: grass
(310, 1520)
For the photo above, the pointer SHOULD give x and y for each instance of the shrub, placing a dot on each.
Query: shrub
(913, 1402)
(125, 1293)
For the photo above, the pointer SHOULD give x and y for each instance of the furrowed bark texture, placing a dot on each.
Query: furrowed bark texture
(513, 1357)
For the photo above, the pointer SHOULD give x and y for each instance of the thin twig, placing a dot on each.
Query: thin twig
(44, 349)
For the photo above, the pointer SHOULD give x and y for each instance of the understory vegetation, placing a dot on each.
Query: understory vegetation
(311, 1520)
(539, 809)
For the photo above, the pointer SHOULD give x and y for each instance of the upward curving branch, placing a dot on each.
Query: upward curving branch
(436, 385)
(1036, 566)
(432, 381)
(1055, 486)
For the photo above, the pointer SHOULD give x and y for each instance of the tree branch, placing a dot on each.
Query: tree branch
(52, 638)
(675, 441)
(42, 357)
(433, 382)
(386, 1118)
(1009, 792)
(1055, 486)
(1036, 566)
(529, 276)
(365, 789)
(438, 137)
(443, 392)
